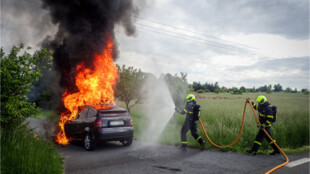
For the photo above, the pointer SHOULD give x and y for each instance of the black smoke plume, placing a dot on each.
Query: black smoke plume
(82, 29)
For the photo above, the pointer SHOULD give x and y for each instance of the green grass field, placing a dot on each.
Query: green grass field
(222, 115)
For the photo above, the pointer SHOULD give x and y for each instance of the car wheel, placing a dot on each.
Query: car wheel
(127, 142)
(89, 142)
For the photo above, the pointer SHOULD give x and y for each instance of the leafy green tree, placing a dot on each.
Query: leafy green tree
(269, 90)
(288, 90)
(18, 72)
(129, 87)
(305, 91)
(43, 93)
(242, 89)
(263, 88)
(197, 86)
(235, 90)
(178, 87)
(277, 88)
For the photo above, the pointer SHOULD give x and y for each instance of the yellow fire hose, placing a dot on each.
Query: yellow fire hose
(248, 101)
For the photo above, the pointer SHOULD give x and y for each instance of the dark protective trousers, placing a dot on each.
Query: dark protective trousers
(260, 137)
(189, 124)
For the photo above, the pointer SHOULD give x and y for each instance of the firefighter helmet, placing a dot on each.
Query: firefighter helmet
(190, 97)
(261, 99)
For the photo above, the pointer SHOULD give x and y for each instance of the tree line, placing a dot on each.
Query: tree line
(214, 87)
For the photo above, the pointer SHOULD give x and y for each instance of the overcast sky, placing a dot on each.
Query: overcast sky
(235, 43)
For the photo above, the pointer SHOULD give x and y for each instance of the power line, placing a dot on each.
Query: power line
(204, 35)
(232, 47)
(209, 42)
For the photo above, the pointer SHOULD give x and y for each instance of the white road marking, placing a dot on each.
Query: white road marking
(297, 162)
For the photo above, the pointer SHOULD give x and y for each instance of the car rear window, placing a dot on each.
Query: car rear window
(114, 113)
(91, 113)
(83, 113)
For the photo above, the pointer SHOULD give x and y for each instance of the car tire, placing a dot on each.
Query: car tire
(127, 142)
(89, 142)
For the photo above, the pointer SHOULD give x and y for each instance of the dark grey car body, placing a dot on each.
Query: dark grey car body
(92, 125)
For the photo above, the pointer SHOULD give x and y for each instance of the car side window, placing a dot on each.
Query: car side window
(83, 114)
(91, 113)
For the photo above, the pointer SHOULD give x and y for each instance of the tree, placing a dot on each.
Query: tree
(277, 88)
(263, 88)
(269, 90)
(288, 90)
(18, 72)
(305, 91)
(242, 89)
(178, 87)
(43, 93)
(197, 86)
(235, 90)
(128, 89)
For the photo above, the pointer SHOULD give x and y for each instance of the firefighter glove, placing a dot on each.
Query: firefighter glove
(247, 99)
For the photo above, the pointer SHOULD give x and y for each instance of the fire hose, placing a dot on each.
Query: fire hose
(239, 134)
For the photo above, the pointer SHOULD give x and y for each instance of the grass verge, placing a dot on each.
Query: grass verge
(25, 152)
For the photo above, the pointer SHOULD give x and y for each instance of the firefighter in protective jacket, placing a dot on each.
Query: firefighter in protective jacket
(266, 119)
(190, 122)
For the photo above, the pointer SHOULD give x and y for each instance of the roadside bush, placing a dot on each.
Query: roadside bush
(201, 91)
(18, 72)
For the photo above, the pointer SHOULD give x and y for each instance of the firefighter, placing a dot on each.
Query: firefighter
(190, 122)
(266, 118)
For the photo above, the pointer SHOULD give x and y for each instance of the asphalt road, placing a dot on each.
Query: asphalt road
(146, 158)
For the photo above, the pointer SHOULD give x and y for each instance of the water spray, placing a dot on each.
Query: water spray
(160, 108)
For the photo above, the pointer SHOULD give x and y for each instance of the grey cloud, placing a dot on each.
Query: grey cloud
(294, 72)
(286, 64)
(282, 17)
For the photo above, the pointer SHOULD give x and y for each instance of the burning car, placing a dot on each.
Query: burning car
(94, 124)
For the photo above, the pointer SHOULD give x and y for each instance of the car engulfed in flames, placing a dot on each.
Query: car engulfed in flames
(93, 125)
(94, 88)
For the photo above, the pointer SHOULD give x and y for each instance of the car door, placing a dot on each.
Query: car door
(78, 124)
(91, 117)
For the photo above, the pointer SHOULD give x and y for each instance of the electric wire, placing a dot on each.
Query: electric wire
(204, 35)
(200, 39)
(189, 39)
(193, 38)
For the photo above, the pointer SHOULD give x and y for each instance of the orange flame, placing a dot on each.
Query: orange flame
(95, 88)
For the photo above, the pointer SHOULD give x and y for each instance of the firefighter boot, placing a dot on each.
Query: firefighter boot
(183, 148)
(275, 150)
(202, 145)
(254, 149)
(250, 151)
